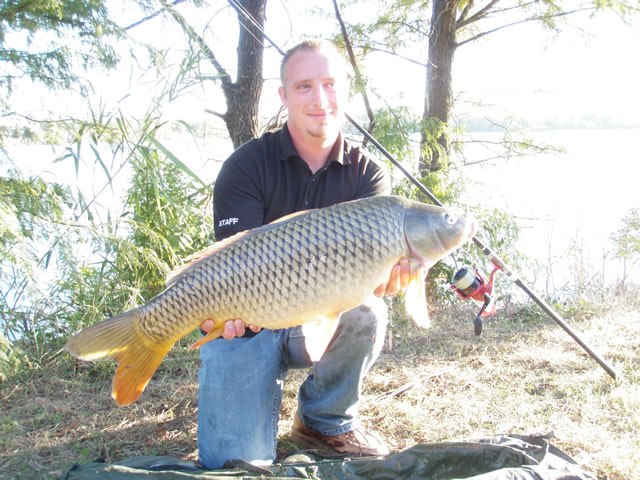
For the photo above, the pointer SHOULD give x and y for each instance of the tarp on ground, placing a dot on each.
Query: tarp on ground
(503, 457)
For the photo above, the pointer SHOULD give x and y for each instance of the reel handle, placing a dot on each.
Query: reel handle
(477, 326)
(477, 322)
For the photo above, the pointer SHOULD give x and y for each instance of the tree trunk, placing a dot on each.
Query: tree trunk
(438, 98)
(243, 96)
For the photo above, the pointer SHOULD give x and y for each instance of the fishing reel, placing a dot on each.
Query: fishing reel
(471, 285)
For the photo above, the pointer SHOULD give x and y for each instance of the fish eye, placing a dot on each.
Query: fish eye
(450, 218)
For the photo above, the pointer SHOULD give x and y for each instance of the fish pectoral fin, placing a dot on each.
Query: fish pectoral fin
(415, 300)
(318, 334)
(211, 335)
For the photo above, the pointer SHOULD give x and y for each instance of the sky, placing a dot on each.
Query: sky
(569, 74)
(522, 70)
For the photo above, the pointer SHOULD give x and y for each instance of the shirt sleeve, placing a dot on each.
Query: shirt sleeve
(238, 202)
(375, 179)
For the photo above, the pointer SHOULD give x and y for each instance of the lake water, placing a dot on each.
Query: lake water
(559, 199)
(578, 196)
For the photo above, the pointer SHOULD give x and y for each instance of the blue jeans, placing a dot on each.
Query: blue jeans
(241, 383)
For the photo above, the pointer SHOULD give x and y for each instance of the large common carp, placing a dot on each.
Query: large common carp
(306, 268)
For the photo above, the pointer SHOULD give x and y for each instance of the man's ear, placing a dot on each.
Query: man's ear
(283, 96)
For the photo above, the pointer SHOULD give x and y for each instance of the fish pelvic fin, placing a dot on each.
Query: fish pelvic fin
(415, 300)
(118, 339)
(212, 334)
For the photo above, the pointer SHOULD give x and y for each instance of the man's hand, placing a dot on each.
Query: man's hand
(232, 328)
(398, 280)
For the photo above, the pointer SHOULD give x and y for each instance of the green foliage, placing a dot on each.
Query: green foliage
(627, 238)
(12, 360)
(398, 24)
(31, 221)
(81, 28)
(164, 218)
(393, 128)
(68, 262)
(27, 204)
(434, 145)
(167, 219)
(627, 243)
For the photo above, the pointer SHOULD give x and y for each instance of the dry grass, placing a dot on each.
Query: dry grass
(523, 375)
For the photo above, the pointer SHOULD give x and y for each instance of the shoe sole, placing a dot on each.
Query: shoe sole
(307, 442)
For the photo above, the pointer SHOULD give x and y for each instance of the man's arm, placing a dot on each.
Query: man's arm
(238, 203)
(374, 178)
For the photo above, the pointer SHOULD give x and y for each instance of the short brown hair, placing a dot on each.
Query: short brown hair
(311, 46)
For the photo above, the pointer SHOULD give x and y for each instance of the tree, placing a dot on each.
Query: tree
(80, 27)
(437, 29)
(168, 220)
(627, 243)
(242, 95)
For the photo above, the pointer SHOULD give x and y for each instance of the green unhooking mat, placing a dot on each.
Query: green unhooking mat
(513, 457)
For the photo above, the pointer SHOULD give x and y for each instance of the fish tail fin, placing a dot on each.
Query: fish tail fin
(118, 339)
(136, 366)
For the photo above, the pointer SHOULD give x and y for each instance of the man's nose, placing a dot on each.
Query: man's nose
(320, 98)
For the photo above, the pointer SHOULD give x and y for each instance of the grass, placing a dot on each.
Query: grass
(523, 375)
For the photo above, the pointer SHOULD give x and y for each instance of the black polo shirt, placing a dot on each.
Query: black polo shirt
(265, 179)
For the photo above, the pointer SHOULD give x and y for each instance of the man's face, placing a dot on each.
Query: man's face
(314, 91)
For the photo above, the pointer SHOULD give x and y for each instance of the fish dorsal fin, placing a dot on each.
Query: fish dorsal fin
(291, 215)
(193, 260)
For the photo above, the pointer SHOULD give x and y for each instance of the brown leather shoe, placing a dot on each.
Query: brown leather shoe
(355, 443)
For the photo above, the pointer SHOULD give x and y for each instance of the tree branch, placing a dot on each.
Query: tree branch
(407, 25)
(465, 11)
(153, 15)
(352, 59)
(525, 20)
(411, 60)
(478, 15)
(191, 33)
(217, 114)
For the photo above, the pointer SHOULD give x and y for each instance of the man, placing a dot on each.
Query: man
(306, 164)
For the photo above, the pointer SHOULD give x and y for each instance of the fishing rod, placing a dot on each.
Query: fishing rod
(466, 284)
(480, 289)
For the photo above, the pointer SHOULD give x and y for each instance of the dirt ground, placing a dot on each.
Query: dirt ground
(523, 375)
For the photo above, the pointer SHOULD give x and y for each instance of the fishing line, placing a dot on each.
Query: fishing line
(492, 256)
(244, 12)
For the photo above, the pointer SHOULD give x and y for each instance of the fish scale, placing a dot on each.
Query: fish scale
(312, 265)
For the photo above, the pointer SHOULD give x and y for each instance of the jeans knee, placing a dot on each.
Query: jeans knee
(367, 320)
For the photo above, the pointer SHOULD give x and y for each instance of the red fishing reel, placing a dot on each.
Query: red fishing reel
(471, 285)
